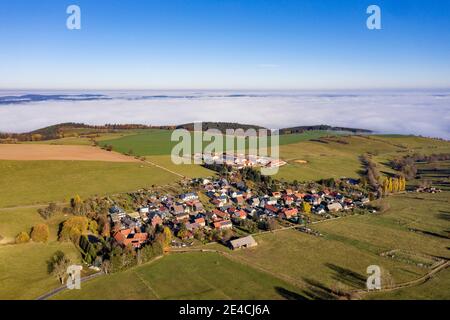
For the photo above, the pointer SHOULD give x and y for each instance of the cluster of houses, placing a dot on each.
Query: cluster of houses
(229, 204)
(239, 201)
(428, 190)
(240, 161)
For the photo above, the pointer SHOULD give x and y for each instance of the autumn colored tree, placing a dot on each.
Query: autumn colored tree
(106, 230)
(22, 237)
(183, 233)
(36, 137)
(93, 226)
(73, 229)
(395, 185)
(167, 237)
(306, 207)
(385, 186)
(402, 183)
(40, 233)
(76, 204)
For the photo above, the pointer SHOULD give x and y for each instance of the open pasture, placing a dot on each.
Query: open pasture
(187, 276)
(36, 182)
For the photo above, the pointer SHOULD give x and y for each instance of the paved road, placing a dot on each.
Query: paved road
(62, 288)
(442, 266)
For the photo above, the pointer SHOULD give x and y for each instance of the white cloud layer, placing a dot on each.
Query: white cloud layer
(421, 113)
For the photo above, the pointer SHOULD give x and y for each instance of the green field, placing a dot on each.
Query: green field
(187, 170)
(351, 244)
(30, 182)
(23, 269)
(308, 159)
(435, 289)
(321, 262)
(158, 142)
(187, 276)
(14, 221)
(152, 142)
(334, 159)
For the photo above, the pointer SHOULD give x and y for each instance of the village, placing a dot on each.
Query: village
(229, 213)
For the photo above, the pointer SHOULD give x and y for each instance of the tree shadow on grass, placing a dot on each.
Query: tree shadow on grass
(431, 234)
(289, 295)
(318, 291)
(444, 215)
(347, 276)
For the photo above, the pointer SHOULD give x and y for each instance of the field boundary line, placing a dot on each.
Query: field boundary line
(147, 285)
(165, 169)
(31, 206)
(297, 283)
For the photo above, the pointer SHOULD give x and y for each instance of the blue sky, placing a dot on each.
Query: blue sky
(227, 44)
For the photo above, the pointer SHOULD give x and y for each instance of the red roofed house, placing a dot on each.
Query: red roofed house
(299, 195)
(221, 214)
(288, 199)
(240, 214)
(222, 225)
(239, 199)
(156, 219)
(276, 194)
(288, 213)
(271, 208)
(289, 192)
(200, 221)
(128, 237)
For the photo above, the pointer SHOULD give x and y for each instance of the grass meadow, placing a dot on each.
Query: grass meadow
(158, 142)
(32, 182)
(14, 221)
(435, 289)
(23, 269)
(312, 160)
(189, 276)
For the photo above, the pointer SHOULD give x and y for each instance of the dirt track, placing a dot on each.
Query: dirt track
(28, 152)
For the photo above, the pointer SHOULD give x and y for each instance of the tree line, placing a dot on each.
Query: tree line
(407, 165)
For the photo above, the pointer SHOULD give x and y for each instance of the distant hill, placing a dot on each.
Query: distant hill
(301, 129)
(56, 129)
(66, 129)
(221, 126)
(70, 128)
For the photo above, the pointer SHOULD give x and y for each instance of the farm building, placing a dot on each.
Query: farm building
(246, 242)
